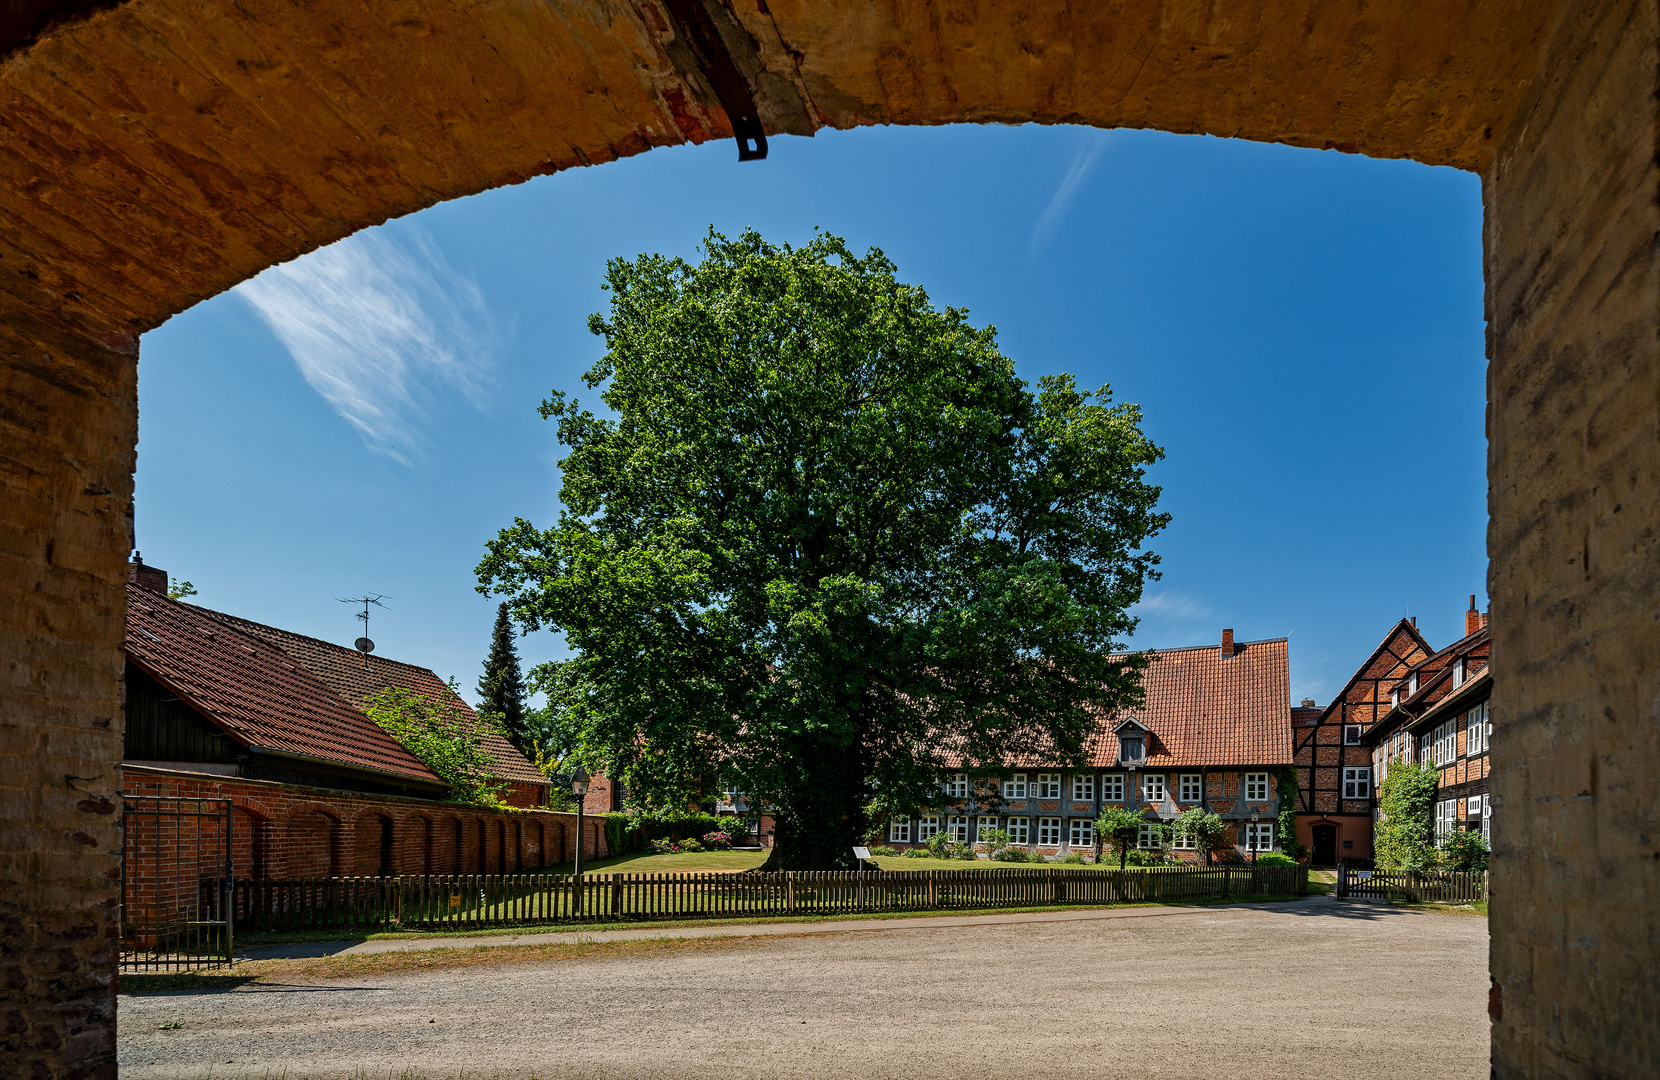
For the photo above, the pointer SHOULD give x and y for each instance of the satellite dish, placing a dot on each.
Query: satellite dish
(364, 645)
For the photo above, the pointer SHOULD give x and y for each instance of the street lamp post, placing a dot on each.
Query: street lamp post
(579, 788)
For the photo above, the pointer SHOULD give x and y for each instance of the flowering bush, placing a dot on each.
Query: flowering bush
(717, 841)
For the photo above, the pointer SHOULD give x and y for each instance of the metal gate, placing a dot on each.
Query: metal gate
(176, 883)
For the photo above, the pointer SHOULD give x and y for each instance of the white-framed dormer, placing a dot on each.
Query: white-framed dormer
(1133, 740)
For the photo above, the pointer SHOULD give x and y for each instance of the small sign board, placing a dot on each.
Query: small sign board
(861, 853)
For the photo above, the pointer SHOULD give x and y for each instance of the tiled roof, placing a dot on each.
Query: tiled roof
(258, 694)
(355, 677)
(1204, 710)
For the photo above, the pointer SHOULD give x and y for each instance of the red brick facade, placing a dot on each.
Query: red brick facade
(286, 830)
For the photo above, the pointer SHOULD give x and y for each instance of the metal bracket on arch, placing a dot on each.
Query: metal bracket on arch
(701, 34)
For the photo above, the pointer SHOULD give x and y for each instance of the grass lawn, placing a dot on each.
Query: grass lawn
(648, 862)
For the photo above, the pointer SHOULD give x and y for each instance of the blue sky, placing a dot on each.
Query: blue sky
(1303, 329)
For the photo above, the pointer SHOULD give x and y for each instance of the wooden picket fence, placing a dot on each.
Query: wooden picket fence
(464, 902)
(1412, 886)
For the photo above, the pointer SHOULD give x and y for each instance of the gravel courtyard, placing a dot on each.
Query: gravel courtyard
(1302, 991)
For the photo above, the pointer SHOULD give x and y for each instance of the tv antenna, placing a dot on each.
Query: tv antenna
(363, 644)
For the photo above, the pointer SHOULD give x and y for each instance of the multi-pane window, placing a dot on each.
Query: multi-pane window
(987, 823)
(1049, 832)
(1446, 818)
(1083, 787)
(956, 786)
(899, 830)
(1256, 786)
(1048, 785)
(1457, 674)
(1487, 819)
(1357, 783)
(1190, 789)
(1426, 753)
(1351, 734)
(1081, 834)
(1018, 831)
(1259, 836)
(1446, 743)
(1150, 837)
(956, 827)
(1112, 787)
(927, 826)
(1475, 731)
(1183, 841)
(1015, 786)
(1152, 788)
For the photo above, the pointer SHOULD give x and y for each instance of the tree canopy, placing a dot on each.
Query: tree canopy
(827, 542)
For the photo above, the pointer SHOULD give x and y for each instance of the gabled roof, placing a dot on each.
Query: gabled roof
(254, 691)
(356, 677)
(1202, 710)
(1389, 656)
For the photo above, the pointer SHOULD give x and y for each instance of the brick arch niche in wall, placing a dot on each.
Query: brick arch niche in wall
(314, 843)
(157, 153)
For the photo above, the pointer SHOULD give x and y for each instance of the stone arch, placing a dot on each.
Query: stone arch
(374, 844)
(142, 176)
(313, 842)
(250, 841)
(449, 846)
(418, 847)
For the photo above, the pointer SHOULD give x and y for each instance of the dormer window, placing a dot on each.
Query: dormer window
(1412, 687)
(1458, 674)
(1395, 698)
(1132, 748)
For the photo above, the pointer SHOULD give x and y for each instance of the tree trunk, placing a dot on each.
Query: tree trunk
(817, 823)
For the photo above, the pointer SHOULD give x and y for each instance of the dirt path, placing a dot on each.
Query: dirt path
(1301, 991)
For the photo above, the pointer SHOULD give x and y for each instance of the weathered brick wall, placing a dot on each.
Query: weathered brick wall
(1573, 308)
(291, 831)
(68, 425)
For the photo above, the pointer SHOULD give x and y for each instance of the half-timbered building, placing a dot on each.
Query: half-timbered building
(1334, 766)
(1213, 731)
(1441, 718)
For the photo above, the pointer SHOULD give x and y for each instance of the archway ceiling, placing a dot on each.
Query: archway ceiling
(158, 151)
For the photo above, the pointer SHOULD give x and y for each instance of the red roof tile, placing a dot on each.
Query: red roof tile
(257, 693)
(355, 677)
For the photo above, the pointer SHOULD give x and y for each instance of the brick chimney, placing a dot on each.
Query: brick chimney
(1227, 644)
(1472, 618)
(147, 576)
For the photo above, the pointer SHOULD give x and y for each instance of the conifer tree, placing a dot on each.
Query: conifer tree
(503, 687)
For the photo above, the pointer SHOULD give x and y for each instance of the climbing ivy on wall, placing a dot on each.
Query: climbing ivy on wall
(1287, 824)
(1405, 837)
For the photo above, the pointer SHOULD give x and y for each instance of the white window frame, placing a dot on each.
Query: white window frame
(1014, 786)
(1357, 783)
(1154, 787)
(927, 825)
(1259, 836)
(1487, 819)
(1351, 734)
(1083, 787)
(1019, 830)
(1049, 832)
(899, 831)
(985, 824)
(1457, 674)
(1147, 838)
(1048, 785)
(1257, 787)
(1446, 819)
(956, 786)
(1183, 841)
(1190, 788)
(1081, 834)
(1112, 787)
(956, 827)
(1476, 729)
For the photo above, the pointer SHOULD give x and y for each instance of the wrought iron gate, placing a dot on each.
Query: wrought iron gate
(176, 883)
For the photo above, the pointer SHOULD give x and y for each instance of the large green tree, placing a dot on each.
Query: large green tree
(502, 689)
(826, 542)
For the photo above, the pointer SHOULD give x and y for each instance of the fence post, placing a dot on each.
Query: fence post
(1342, 882)
(933, 889)
(616, 894)
(789, 891)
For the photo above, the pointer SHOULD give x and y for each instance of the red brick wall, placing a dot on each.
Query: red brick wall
(284, 830)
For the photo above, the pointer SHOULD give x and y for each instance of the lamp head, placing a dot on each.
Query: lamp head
(579, 781)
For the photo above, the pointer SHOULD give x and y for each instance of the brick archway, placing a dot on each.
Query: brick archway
(157, 153)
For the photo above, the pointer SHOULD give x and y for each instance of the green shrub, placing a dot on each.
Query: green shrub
(884, 851)
(1143, 857)
(1274, 858)
(1405, 836)
(1075, 858)
(1008, 855)
(964, 852)
(689, 844)
(917, 853)
(1465, 850)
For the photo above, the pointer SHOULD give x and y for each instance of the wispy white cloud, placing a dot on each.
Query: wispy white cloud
(1083, 163)
(1173, 606)
(381, 328)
